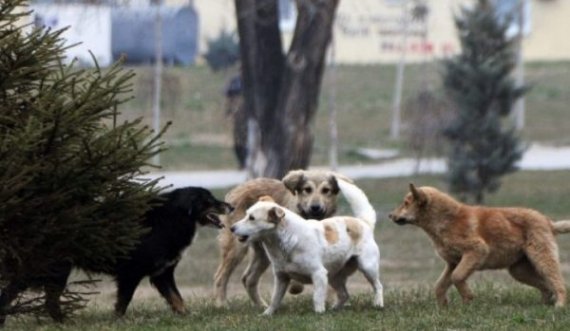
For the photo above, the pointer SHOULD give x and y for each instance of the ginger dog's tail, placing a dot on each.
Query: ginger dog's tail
(358, 201)
(561, 227)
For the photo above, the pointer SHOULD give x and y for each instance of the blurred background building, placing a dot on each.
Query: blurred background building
(366, 31)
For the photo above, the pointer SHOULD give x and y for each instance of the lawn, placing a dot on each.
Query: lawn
(200, 137)
(408, 270)
(497, 308)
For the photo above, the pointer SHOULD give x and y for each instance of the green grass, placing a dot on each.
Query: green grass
(198, 157)
(194, 102)
(496, 308)
(409, 267)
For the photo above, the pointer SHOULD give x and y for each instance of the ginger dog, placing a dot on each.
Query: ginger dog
(309, 251)
(471, 238)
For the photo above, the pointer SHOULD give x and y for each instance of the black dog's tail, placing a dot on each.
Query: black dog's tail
(561, 227)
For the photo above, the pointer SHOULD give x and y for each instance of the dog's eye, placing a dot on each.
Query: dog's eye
(326, 191)
(308, 190)
(251, 218)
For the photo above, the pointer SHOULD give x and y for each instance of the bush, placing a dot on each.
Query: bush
(223, 51)
(428, 113)
(69, 187)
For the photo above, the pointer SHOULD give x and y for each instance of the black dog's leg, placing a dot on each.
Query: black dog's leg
(9, 293)
(54, 288)
(126, 287)
(166, 286)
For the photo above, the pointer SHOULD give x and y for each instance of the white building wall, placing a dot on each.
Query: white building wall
(90, 29)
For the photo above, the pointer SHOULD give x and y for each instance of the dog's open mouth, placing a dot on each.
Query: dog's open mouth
(401, 221)
(214, 220)
(242, 239)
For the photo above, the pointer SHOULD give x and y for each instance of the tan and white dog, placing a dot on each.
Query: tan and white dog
(318, 252)
(311, 193)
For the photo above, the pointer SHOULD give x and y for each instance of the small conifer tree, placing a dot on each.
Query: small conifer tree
(223, 51)
(70, 187)
(483, 144)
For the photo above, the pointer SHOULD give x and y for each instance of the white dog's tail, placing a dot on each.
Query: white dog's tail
(561, 227)
(358, 201)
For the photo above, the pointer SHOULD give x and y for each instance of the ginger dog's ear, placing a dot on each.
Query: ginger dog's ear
(275, 215)
(294, 180)
(266, 198)
(418, 194)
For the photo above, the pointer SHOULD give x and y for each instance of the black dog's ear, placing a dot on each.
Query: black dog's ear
(293, 180)
(418, 195)
(275, 215)
(184, 200)
(178, 198)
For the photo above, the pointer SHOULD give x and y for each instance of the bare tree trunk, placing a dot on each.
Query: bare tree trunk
(333, 128)
(399, 82)
(262, 68)
(281, 92)
(519, 107)
(157, 85)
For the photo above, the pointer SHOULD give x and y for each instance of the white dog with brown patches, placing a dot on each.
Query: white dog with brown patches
(318, 252)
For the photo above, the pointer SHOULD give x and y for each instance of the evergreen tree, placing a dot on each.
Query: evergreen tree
(484, 145)
(223, 51)
(70, 187)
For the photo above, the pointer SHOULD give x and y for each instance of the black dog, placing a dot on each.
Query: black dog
(172, 222)
(173, 225)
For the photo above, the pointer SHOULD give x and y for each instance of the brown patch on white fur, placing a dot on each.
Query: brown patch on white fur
(471, 238)
(331, 234)
(283, 193)
(353, 228)
(275, 214)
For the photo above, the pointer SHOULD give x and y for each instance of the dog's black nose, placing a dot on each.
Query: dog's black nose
(316, 208)
(232, 229)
